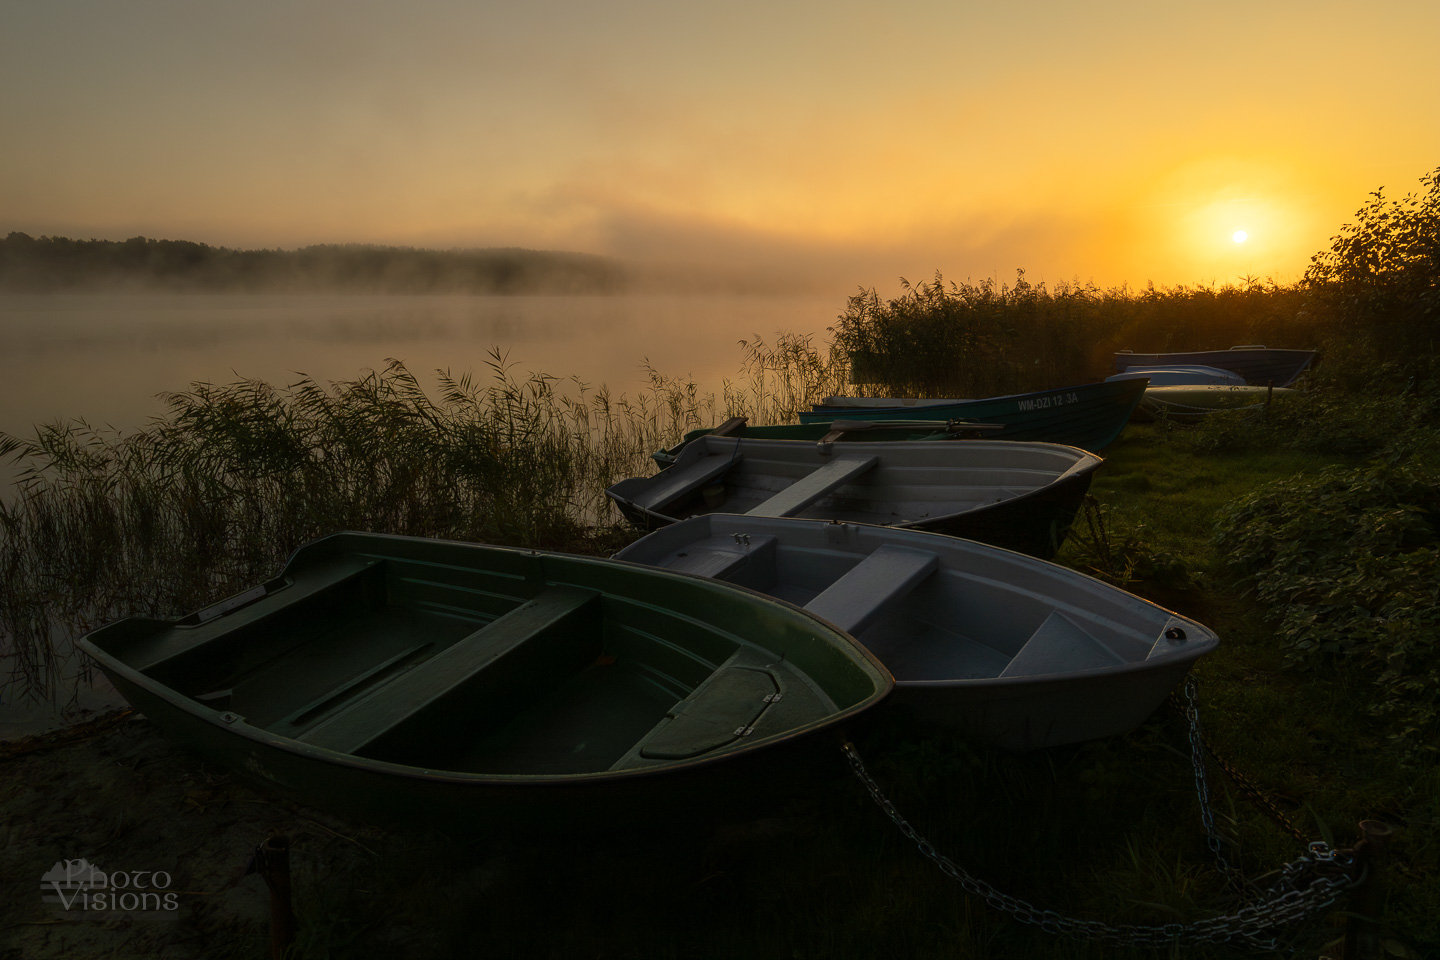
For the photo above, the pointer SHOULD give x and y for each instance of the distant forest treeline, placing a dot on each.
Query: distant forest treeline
(53, 264)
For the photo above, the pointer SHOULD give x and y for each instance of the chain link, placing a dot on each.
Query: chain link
(1302, 888)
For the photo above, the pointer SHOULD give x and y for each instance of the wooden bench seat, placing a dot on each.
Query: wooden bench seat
(532, 646)
(885, 576)
(676, 482)
(813, 486)
(344, 582)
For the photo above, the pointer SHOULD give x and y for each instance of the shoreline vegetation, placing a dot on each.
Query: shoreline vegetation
(1308, 537)
(59, 264)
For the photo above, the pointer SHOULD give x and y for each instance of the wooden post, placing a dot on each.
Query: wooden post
(273, 861)
(1362, 927)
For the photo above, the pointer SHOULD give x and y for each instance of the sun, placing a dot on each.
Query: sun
(1240, 236)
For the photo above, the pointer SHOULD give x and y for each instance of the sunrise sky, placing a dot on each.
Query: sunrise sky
(843, 142)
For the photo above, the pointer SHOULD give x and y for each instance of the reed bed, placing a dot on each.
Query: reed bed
(214, 494)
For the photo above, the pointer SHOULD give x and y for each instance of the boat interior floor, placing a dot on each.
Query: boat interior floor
(416, 667)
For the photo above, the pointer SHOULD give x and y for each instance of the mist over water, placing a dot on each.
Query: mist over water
(105, 357)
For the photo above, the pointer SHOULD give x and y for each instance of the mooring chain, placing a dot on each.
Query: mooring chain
(1247, 787)
(1202, 788)
(1305, 887)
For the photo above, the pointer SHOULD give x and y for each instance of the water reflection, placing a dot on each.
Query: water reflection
(104, 358)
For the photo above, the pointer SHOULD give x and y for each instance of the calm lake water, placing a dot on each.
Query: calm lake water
(104, 358)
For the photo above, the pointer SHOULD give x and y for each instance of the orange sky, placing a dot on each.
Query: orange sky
(842, 142)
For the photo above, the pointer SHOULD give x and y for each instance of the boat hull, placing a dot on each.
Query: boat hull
(404, 796)
(1089, 416)
(884, 431)
(1188, 404)
(1180, 376)
(479, 689)
(1022, 496)
(1259, 366)
(1018, 653)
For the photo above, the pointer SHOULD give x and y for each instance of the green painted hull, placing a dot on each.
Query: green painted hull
(481, 688)
(1089, 416)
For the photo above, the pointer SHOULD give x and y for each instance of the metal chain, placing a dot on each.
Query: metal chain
(1202, 786)
(1247, 787)
(1303, 888)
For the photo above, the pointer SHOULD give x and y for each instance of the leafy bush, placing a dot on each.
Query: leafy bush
(1377, 289)
(1389, 419)
(1349, 564)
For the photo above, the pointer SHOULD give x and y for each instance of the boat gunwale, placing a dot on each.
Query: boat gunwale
(823, 407)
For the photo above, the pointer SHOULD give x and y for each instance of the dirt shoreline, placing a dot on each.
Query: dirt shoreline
(114, 793)
(118, 795)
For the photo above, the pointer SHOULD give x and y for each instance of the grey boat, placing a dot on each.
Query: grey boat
(1017, 495)
(1017, 652)
(1258, 364)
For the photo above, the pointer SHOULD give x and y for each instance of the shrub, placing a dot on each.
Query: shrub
(1349, 564)
(1391, 419)
(1377, 289)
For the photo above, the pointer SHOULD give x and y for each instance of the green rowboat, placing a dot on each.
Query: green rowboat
(477, 687)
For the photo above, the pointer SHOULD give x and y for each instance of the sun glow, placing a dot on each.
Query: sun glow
(1240, 236)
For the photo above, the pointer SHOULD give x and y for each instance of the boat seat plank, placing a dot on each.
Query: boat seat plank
(676, 482)
(838, 428)
(350, 688)
(813, 486)
(730, 427)
(1059, 646)
(886, 575)
(554, 614)
(334, 581)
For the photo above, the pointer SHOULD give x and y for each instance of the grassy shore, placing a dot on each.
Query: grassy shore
(1106, 830)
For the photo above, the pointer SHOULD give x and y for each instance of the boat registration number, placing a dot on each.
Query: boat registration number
(1054, 400)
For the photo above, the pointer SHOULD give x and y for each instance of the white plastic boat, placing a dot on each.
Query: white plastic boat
(1018, 652)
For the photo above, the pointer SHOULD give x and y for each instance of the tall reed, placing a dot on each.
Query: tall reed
(214, 494)
(782, 379)
(947, 339)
